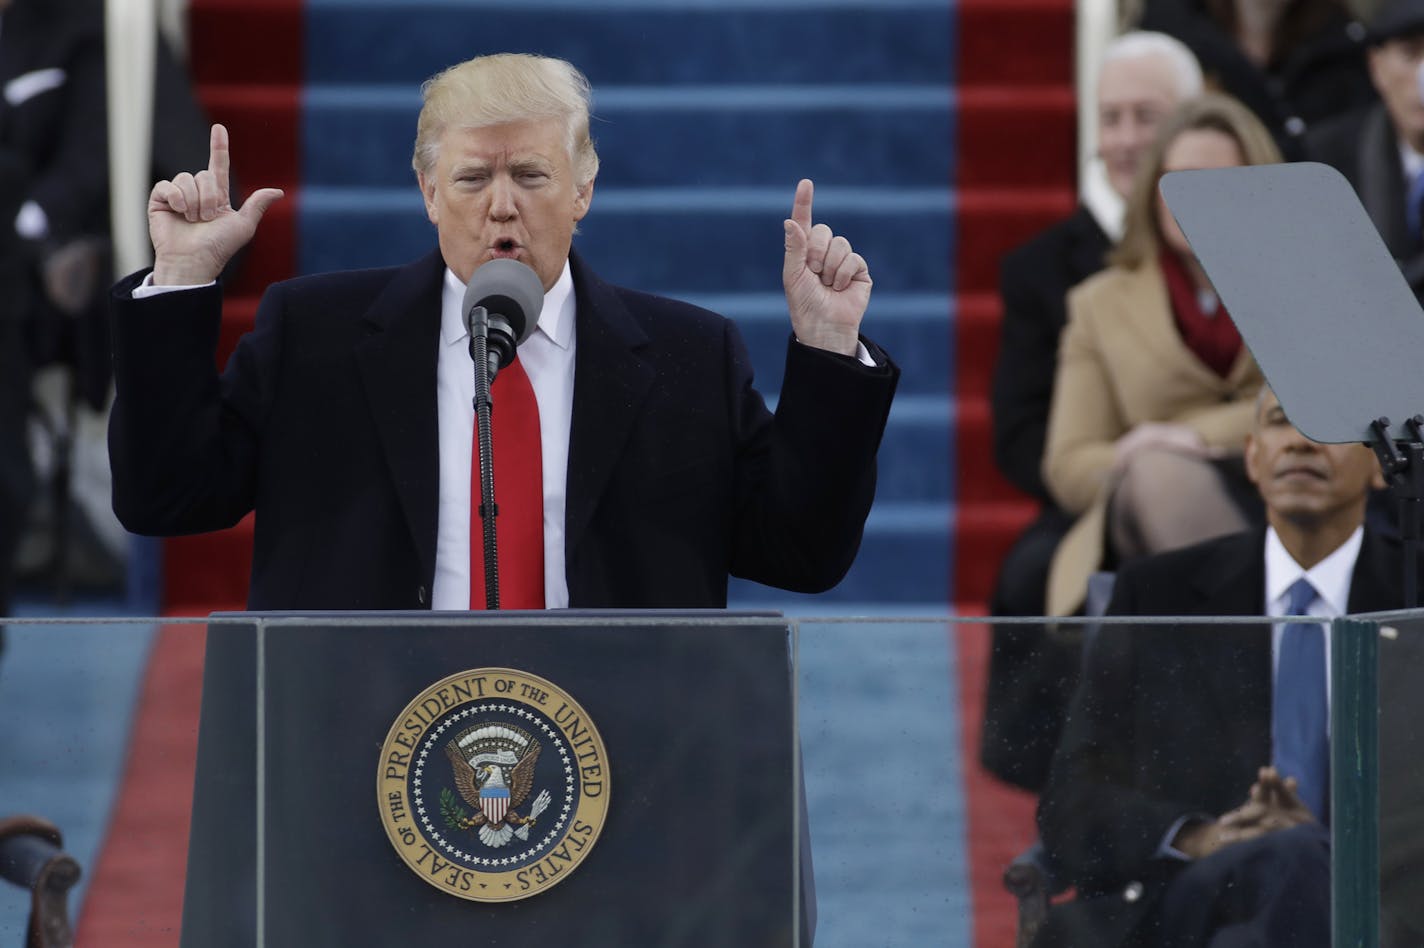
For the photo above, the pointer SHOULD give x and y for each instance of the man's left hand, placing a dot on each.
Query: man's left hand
(827, 284)
(1272, 805)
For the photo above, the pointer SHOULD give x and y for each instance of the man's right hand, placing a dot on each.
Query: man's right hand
(1272, 804)
(193, 225)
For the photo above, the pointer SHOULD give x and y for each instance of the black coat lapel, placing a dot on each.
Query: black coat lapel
(397, 362)
(1089, 247)
(610, 383)
(1236, 668)
(1377, 583)
(1383, 190)
(1233, 581)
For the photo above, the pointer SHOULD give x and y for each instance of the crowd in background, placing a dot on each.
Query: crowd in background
(56, 526)
(1126, 402)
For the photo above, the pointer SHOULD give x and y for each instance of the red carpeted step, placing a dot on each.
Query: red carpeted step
(977, 335)
(1015, 175)
(985, 532)
(247, 59)
(1017, 136)
(246, 41)
(239, 314)
(1024, 42)
(272, 254)
(995, 221)
(979, 479)
(208, 568)
(262, 124)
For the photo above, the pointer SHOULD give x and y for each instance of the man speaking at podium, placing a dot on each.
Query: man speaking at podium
(344, 419)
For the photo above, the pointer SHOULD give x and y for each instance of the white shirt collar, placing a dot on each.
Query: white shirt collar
(1330, 577)
(556, 319)
(1412, 161)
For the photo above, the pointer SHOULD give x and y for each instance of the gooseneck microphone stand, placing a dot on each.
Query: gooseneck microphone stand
(486, 366)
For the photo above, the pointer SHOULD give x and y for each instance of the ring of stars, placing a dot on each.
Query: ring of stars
(433, 737)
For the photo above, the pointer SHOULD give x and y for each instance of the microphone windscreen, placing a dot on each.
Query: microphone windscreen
(510, 289)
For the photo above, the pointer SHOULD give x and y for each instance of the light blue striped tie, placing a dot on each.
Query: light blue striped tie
(1299, 709)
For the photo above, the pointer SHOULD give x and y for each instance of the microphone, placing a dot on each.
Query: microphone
(502, 304)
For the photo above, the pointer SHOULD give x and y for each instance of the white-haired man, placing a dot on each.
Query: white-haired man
(345, 418)
(1142, 78)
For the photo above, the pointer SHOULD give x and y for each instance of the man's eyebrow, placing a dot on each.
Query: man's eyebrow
(468, 166)
(528, 163)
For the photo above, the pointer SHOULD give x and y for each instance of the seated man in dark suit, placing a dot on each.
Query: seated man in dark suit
(653, 467)
(1142, 78)
(1187, 796)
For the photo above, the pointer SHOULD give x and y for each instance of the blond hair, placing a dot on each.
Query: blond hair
(1141, 238)
(507, 87)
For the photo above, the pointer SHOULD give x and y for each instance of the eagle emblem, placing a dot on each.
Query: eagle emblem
(494, 773)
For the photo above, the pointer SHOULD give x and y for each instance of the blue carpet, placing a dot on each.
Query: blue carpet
(67, 694)
(880, 740)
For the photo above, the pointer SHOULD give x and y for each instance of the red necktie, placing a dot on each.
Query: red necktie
(519, 492)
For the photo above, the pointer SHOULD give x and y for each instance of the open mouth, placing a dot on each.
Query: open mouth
(505, 248)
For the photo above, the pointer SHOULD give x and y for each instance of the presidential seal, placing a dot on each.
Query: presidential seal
(493, 785)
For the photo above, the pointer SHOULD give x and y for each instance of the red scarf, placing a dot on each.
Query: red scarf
(1212, 337)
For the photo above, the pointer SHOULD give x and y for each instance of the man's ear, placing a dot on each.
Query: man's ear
(1252, 457)
(582, 199)
(427, 193)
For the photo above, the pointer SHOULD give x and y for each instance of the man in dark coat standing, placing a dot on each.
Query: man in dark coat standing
(345, 419)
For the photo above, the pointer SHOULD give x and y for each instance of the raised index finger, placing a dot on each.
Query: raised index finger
(801, 207)
(219, 160)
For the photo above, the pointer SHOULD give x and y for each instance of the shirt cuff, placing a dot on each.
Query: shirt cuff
(148, 288)
(1165, 850)
(862, 354)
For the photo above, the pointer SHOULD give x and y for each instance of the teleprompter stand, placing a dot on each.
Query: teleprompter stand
(1339, 336)
(1322, 306)
(1404, 472)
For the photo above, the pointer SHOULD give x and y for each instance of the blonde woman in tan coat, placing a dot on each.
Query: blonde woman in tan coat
(1153, 396)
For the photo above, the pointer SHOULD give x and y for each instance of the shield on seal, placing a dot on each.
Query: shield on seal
(494, 801)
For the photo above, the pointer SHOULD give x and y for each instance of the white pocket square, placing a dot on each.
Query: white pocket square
(31, 84)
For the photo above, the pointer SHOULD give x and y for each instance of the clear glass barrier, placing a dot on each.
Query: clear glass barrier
(728, 779)
(1401, 779)
(98, 737)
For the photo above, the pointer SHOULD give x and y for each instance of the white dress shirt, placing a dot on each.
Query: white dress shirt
(548, 359)
(1331, 578)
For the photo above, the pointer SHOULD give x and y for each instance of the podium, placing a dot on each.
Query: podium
(324, 742)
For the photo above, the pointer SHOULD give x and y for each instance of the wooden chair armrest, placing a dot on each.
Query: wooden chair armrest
(31, 857)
